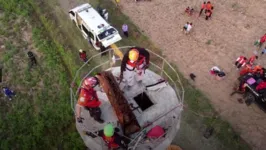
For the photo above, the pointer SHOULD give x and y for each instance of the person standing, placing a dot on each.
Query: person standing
(208, 14)
(185, 26)
(208, 6)
(262, 40)
(32, 59)
(111, 137)
(8, 93)
(252, 59)
(189, 27)
(89, 100)
(105, 14)
(83, 55)
(133, 66)
(203, 6)
(125, 29)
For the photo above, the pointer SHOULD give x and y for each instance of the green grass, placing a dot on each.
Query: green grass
(43, 119)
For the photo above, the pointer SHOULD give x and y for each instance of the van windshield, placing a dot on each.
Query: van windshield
(106, 33)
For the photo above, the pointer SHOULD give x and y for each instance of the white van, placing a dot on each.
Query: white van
(93, 27)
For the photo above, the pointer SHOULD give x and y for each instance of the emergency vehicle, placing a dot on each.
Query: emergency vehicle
(93, 27)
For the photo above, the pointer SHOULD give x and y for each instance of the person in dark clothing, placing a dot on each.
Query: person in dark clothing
(208, 14)
(83, 55)
(32, 59)
(8, 93)
(111, 137)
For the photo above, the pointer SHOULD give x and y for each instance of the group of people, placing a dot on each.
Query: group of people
(248, 66)
(133, 66)
(187, 27)
(208, 9)
(208, 12)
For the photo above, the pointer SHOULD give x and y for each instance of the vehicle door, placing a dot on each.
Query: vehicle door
(85, 32)
(72, 16)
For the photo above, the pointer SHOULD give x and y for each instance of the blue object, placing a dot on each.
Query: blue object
(8, 92)
(263, 51)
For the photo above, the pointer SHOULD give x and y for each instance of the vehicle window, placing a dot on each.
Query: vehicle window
(72, 13)
(87, 32)
(106, 33)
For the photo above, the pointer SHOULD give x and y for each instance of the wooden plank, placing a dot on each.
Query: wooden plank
(120, 105)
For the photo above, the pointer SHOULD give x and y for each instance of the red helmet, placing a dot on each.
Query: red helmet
(89, 82)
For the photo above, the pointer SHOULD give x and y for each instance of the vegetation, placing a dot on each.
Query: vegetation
(40, 116)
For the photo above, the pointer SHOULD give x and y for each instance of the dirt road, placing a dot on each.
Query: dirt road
(230, 33)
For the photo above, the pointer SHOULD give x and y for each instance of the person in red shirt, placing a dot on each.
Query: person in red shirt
(111, 137)
(262, 40)
(82, 55)
(252, 59)
(203, 6)
(89, 100)
(240, 62)
(208, 6)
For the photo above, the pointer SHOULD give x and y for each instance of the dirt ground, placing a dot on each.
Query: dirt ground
(231, 32)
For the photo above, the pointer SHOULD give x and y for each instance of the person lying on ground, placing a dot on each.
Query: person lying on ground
(219, 75)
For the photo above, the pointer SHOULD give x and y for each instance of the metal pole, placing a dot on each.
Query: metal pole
(162, 68)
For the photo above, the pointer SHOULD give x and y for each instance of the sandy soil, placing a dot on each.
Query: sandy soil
(232, 30)
(234, 27)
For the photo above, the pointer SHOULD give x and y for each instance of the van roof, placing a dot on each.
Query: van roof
(91, 18)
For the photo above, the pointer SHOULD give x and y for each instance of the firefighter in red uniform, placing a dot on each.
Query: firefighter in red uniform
(89, 100)
(240, 61)
(133, 65)
(111, 137)
(252, 59)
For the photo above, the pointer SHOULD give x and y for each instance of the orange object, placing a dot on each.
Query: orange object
(110, 141)
(208, 6)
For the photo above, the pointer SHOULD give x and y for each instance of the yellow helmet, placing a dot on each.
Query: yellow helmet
(133, 55)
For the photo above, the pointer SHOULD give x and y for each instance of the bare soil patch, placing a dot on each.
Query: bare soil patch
(231, 32)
